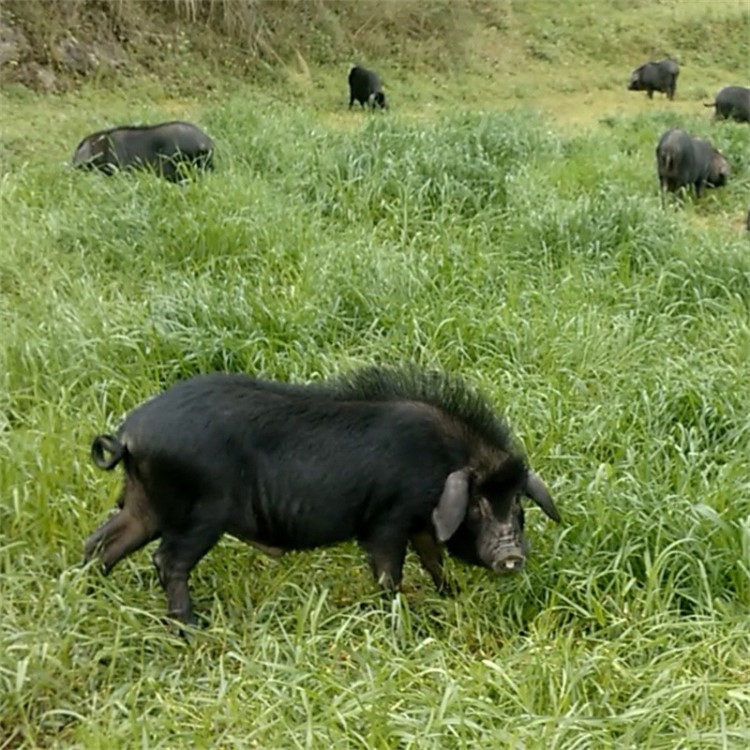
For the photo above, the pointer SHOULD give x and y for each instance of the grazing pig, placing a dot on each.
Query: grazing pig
(386, 457)
(655, 76)
(732, 102)
(364, 86)
(162, 148)
(682, 160)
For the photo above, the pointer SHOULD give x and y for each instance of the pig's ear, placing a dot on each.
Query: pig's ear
(538, 492)
(451, 508)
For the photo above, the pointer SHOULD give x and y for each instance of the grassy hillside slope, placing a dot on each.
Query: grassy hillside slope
(501, 222)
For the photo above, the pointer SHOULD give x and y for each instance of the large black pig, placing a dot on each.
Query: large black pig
(162, 147)
(386, 457)
(732, 102)
(682, 161)
(365, 87)
(655, 76)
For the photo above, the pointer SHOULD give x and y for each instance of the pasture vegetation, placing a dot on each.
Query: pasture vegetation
(495, 238)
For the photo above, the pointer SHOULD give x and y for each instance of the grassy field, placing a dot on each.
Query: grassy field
(515, 239)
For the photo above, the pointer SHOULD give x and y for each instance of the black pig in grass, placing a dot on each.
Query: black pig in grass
(364, 86)
(386, 457)
(732, 102)
(655, 76)
(682, 160)
(162, 147)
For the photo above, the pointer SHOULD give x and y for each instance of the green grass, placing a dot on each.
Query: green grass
(531, 257)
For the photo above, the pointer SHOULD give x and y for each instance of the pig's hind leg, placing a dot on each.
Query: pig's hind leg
(127, 531)
(179, 552)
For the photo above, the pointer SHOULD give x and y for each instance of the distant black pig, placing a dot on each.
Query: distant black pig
(386, 457)
(159, 147)
(364, 86)
(655, 76)
(682, 161)
(732, 102)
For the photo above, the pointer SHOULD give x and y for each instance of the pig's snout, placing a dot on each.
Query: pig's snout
(510, 562)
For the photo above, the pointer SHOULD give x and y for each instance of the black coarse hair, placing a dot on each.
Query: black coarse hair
(447, 393)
